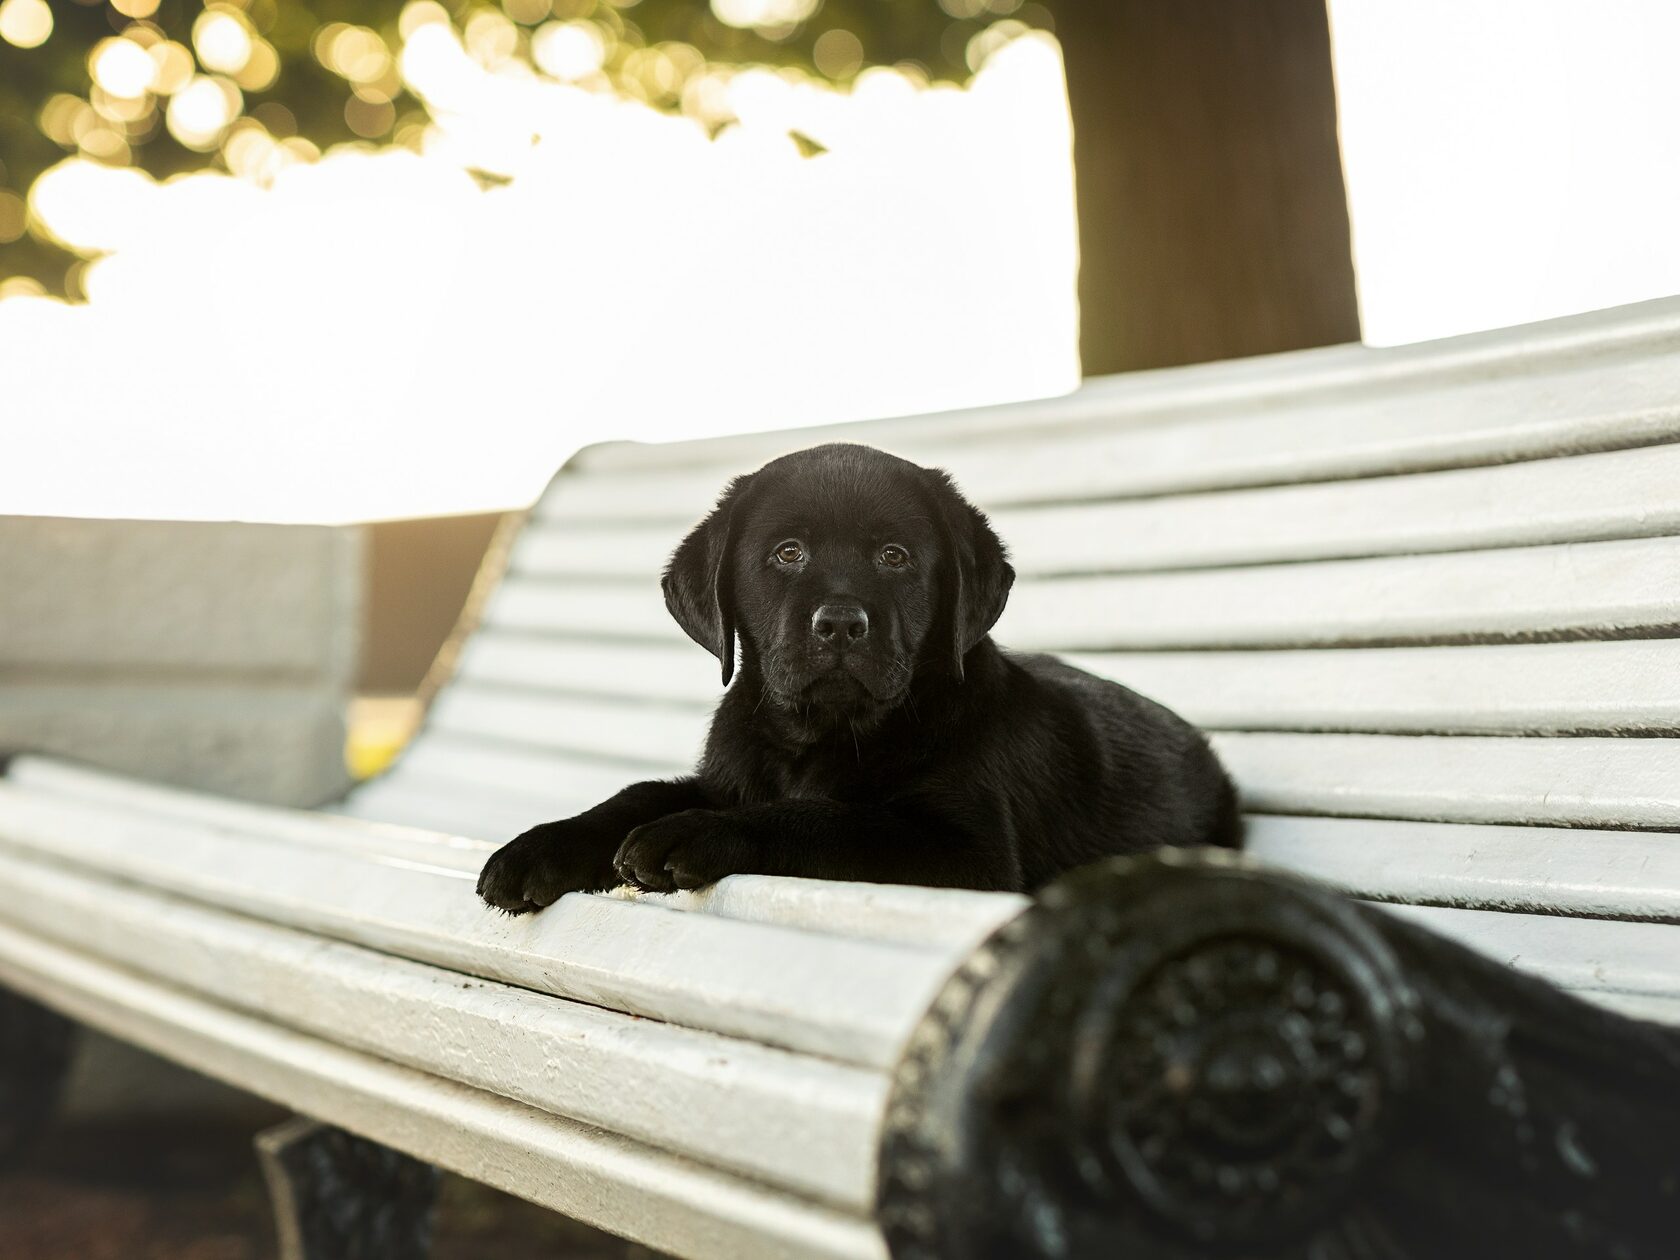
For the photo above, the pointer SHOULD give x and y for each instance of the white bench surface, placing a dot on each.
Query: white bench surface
(1425, 599)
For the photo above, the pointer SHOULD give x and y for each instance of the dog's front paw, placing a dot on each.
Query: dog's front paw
(687, 850)
(544, 864)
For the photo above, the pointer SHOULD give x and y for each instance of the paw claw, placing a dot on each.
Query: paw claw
(681, 851)
(539, 867)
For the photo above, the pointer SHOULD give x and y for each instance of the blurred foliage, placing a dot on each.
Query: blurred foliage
(177, 85)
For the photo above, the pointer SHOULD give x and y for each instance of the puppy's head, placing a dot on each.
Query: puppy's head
(843, 571)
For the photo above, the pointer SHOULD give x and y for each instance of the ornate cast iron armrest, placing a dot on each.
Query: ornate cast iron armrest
(1188, 1056)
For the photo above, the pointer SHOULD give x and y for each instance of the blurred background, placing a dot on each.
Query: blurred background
(346, 260)
(301, 301)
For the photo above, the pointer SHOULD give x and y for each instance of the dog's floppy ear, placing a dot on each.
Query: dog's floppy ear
(977, 575)
(699, 580)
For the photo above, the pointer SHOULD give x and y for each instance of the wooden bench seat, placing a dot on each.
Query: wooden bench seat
(1426, 600)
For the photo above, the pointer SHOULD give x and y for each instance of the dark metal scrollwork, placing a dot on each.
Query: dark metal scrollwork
(1185, 1056)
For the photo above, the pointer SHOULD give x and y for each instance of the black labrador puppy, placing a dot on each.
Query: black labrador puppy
(875, 731)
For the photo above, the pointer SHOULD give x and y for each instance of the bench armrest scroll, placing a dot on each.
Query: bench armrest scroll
(1188, 1055)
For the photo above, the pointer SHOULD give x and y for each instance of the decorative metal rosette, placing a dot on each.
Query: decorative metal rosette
(1162, 1054)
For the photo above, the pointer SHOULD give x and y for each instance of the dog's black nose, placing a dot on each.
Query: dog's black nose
(840, 624)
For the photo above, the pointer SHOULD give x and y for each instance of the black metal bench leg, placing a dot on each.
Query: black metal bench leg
(35, 1049)
(341, 1197)
(1185, 1057)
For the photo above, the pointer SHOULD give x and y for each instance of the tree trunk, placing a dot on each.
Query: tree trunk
(1212, 216)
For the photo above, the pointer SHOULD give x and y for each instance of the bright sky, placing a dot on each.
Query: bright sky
(1508, 160)
(376, 335)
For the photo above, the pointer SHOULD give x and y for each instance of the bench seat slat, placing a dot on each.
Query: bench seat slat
(802, 1123)
(839, 997)
(1586, 498)
(942, 918)
(599, 1178)
(1586, 782)
(1579, 954)
(939, 918)
(78, 785)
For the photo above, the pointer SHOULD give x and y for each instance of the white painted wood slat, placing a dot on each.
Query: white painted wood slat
(657, 735)
(802, 1123)
(945, 918)
(1487, 688)
(1498, 689)
(939, 918)
(1596, 589)
(842, 998)
(1639, 340)
(1592, 957)
(599, 1178)
(611, 611)
(481, 768)
(1586, 782)
(1538, 688)
(1573, 782)
(77, 785)
(489, 816)
(1567, 410)
(1589, 957)
(668, 672)
(1586, 498)
(1599, 589)
(1540, 870)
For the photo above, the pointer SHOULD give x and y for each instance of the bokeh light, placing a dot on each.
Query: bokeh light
(764, 14)
(838, 53)
(384, 331)
(223, 39)
(418, 13)
(201, 111)
(122, 68)
(174, 67)
(261, 68)
(25, 23)
(569, 50)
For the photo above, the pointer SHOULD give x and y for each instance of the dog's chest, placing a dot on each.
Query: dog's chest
(825, 778)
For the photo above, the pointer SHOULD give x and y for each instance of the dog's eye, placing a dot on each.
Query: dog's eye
(894, 557)
(789, 553)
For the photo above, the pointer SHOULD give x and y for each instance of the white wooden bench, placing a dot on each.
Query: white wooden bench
(1426, 598)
